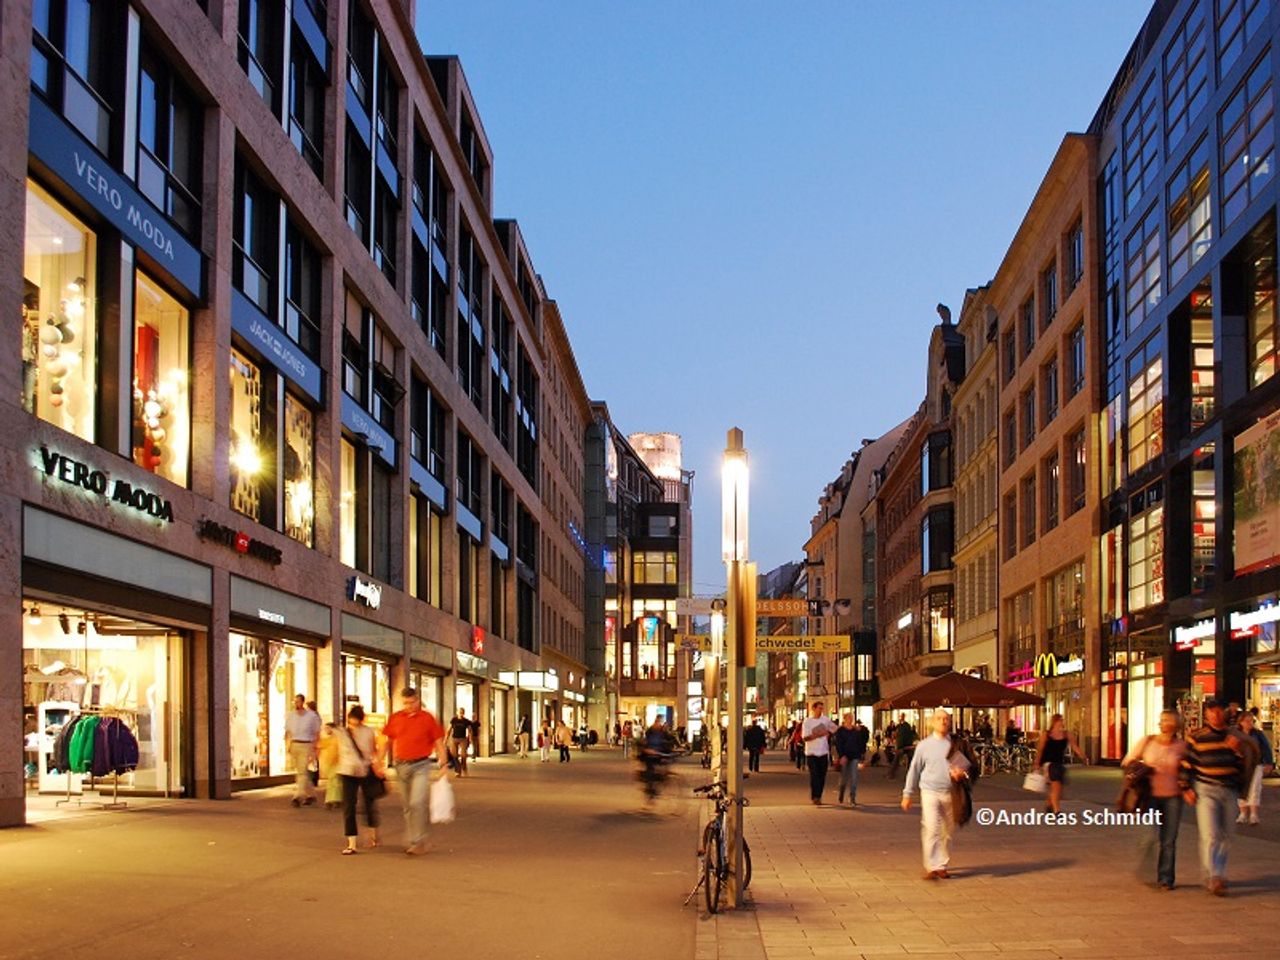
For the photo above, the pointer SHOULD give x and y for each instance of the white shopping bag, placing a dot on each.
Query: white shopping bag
(440, 803)
(1036, 782)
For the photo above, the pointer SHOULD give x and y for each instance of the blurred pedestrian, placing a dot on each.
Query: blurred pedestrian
(544, 741)
(522, 736)
(474, 736)
(797, 744)
(628, 737)
(1163, 753)
(934, 767)
(564, 740)
(1051, 753)
(327, 755)
(415, 742)
(1251, 802)
(851, 749)
(459, 739)
(357, 748)
(583, 734)
(753, 738)
(301, 736)
(904, 739)
(1211, 776)
(816, 733)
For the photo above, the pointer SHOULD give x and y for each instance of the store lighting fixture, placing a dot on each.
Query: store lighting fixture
(64, 622)
(33, 615)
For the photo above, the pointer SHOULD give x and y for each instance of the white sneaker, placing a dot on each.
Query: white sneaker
(1241, 819)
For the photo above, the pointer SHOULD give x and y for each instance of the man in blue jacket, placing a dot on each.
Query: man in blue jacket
(851, 747)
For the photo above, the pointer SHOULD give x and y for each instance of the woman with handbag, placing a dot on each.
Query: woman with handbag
(1052, 754)
(1162, 754)
(357, 748)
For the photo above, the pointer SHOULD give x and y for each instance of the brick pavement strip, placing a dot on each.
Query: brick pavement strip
(1016, 893)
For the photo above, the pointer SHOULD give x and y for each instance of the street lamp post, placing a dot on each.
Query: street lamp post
(740, 630)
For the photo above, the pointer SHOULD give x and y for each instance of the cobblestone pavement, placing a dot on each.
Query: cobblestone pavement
(835, 882)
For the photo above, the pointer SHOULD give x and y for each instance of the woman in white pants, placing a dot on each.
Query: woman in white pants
(1251, 802)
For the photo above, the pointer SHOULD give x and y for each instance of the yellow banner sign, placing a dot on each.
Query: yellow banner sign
(780, 643)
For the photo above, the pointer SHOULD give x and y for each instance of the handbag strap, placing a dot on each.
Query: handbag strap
(360, 752)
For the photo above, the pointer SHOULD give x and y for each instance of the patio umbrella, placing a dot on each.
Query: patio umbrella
(959, 690)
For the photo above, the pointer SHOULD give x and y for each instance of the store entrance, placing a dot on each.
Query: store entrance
(80, 664)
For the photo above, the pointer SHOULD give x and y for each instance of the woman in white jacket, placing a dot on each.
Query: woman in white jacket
(357, 746)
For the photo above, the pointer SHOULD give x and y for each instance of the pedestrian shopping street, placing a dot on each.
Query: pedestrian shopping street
(552, 860)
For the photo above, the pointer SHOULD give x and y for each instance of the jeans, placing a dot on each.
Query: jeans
(936, 824)
(753, 760)
(1165, 836)
(415, 781)
(460, 752)
(350, 787)
(817, 775)
(1216, 811)
(564, 753)
(849, 778)
(300, 754)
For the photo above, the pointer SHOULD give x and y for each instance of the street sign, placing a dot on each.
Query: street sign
(782, 608)
(693, 606)
(780, 643)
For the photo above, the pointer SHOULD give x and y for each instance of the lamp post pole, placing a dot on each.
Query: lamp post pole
(740, 638)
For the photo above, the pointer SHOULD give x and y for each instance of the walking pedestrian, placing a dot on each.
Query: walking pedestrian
(816, 732)
(934, 767)
(797, 744)
(753, 738)
(628, 734)
(544, 741)
(415, 741)
(904, 738)
(1211, 775)
(1163, 753)
(583, 733)
(327, 755)
(301, 733)
(1051, 752)
(459, 738)
(1251, 802)
(564, 740)
(522, 736)
(474, 737)
(851, 748)
(356, 751)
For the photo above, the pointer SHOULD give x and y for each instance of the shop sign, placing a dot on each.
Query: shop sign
(905, 620)
(270, 617)
(1186, 638)
(477, 640)
(77, 474)
(1071, 665)
(70, 157)
(239, 541)
(364, 591)
(1269, 613)
(248, 321)
(1023, 676)
(476, 665)
(1048, 665)
(359, 422)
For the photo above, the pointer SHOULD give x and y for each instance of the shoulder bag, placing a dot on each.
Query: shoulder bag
(376, 782)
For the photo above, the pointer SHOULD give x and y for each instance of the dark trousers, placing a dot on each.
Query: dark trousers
(350, 787)
(753, 760)
(899, 755)
(797, 753)
(564, 753)
(1167, 835)
(817, 775)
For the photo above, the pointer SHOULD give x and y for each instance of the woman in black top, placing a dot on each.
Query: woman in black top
(1052, 752)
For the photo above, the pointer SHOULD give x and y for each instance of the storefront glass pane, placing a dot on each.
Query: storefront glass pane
(87, 664)
(59, 332)
(161, 408)
(264, 677)
(347, 506)
(299, 471)
(246, 436)
(367, 682)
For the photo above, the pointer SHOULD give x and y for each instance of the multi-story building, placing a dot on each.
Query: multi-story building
(781, 678)
(1190, 562)
(915, 530)
(1043, 296)
(631, 600)
(280, 420)
(977, 475)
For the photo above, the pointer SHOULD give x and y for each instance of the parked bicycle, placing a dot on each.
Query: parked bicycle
(714, 852)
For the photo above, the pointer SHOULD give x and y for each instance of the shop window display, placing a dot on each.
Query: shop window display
(299, 471)
(59, 333)
(161, 414)
(246, 436)
(89, 663)
(368, 683)
(265, 675)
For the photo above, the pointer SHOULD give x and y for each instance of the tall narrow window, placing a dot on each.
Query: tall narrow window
(1146, 548)
(1009, 525)
(1048, 295)
(1052, 483)
(1190, 213)
(1076, 472)
(1203, 382)
(1028, 497)
(1238, 21)
(1141, 135)
(59, 316)
(1142, 253)
(348, 503)
(161, 409)
(1261, 310)
(247, 436)
(302, 291)
(1204, 491)
(261, 26)
(1248, 142)
(1075, 342)
(256, 241)
(1075, 255)
(1028, 323)
(298, 471)
(1186, 70)
(1146, 406)
(308, 81)
(1049, 384)
(170, 133)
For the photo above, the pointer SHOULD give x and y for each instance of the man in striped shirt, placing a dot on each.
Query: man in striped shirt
(1211, 776)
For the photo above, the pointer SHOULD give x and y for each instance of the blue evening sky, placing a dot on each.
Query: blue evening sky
(747, 211)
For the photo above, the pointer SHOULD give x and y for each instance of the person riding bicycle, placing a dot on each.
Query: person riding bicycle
(655, 751)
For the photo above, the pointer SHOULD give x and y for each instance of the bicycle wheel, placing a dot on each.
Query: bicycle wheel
(711, 873)
(746, 864)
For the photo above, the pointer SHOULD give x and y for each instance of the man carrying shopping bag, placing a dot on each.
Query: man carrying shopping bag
(415, 740)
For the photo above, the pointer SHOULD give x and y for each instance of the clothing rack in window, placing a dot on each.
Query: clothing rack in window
(117, 713)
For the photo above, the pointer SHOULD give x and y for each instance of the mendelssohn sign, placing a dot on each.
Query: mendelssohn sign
(77, 474)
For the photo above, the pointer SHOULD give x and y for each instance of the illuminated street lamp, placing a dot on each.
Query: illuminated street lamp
(740, 634)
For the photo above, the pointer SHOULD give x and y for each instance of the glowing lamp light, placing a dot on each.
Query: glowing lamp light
(734, 497)
(245, 458)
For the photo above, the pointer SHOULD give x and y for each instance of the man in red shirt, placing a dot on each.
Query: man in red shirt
(415, 740)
